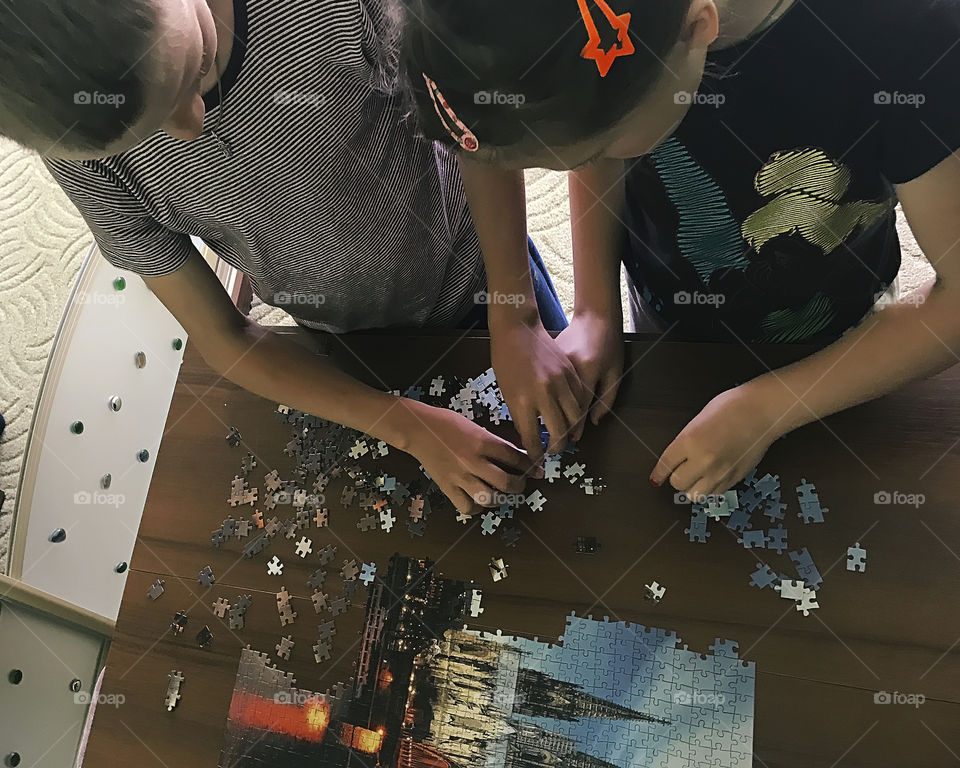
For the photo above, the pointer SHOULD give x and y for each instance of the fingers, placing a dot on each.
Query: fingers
(672, 458)
(460, 499)
(606, 393)
(502, 481)
(481, 493)
(576, 404)
(529, 430)
(699, 491)
(557, 425)
(508, 455)
(687, 477)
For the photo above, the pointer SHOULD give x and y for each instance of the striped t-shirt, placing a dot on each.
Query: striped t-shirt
(329, 201)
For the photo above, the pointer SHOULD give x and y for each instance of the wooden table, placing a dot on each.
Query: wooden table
(894, 628)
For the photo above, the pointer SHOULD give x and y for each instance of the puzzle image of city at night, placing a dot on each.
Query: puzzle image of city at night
(428, 693)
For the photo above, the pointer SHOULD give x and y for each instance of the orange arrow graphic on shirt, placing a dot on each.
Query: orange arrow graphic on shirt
(619, 23)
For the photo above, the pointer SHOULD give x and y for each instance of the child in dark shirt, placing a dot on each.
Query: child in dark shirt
(744, 159)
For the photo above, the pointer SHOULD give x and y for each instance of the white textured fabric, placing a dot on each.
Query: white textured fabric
(43, 242)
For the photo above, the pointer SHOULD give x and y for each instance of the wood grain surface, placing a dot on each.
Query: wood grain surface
(894, 628)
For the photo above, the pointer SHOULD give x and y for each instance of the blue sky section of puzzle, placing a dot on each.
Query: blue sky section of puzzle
(708, 700)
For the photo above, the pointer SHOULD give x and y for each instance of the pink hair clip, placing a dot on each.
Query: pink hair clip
(464, 137)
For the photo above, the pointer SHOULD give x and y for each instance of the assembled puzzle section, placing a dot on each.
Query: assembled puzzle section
(607, 694)
(271, 719)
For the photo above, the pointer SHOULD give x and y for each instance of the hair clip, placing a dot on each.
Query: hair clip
(464, 137)
(620, 24)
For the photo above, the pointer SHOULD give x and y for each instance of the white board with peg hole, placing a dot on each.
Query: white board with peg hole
(94, 359)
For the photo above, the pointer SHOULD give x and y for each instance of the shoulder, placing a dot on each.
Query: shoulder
(883, 34)
(912, 37)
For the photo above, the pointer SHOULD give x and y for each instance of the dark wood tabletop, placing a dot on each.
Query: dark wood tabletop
(895, 628)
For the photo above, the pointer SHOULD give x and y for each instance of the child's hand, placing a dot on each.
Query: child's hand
(469, 463)
(538, 379)
(594, 345)
(719, 447)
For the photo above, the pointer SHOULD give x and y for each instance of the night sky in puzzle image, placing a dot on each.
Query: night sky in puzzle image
(428, 693)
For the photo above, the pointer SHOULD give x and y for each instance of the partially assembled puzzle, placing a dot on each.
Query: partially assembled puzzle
(432, 693)
(605, 695)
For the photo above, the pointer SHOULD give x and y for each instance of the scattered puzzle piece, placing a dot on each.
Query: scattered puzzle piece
(321, 601)
(205, 637)
(739, 520)
(810, 509)
(490, 522)
(574, 472)
(321, 651)
(284, 647)
(510, 536)
(304, 547)
(807, 602)
(476, 597)
(172, 697)
(350, 571)
(287, 614)
(387, 519)
(327, 554)
(753, 540)
(179, 622)
(536, 501)
(317, 578)
(856, 558)
(275, 567)
(698, 526)
(206, 577)
(498, 569)
(654, 591)
(777, 540)
(156, 589)
(763, 577)
(790, 589)
(806, 569)
(326, 631)
(368, 573)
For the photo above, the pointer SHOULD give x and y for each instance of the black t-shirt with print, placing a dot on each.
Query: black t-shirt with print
(770, 214)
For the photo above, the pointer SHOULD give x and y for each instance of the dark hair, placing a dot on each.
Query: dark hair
(531, 49)
(70, 70)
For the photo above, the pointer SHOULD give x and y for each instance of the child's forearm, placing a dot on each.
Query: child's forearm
(596, 217)
(498, 204)
(278, 368)
(902, 343)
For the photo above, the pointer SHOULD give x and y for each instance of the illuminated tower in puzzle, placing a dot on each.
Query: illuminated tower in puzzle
(539, 695)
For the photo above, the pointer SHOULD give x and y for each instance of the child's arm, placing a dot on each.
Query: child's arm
(535, 376)
(465, 460)
(594, 340)
(912, 340)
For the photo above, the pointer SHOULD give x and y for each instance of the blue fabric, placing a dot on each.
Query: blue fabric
(551, 310)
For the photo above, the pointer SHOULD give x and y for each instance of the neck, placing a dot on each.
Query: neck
(741, 19)
(223, 16)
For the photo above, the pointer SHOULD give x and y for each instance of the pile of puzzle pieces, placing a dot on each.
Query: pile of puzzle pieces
(323, 451)
(742, 508)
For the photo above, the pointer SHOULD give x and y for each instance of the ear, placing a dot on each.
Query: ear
(702, 26)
